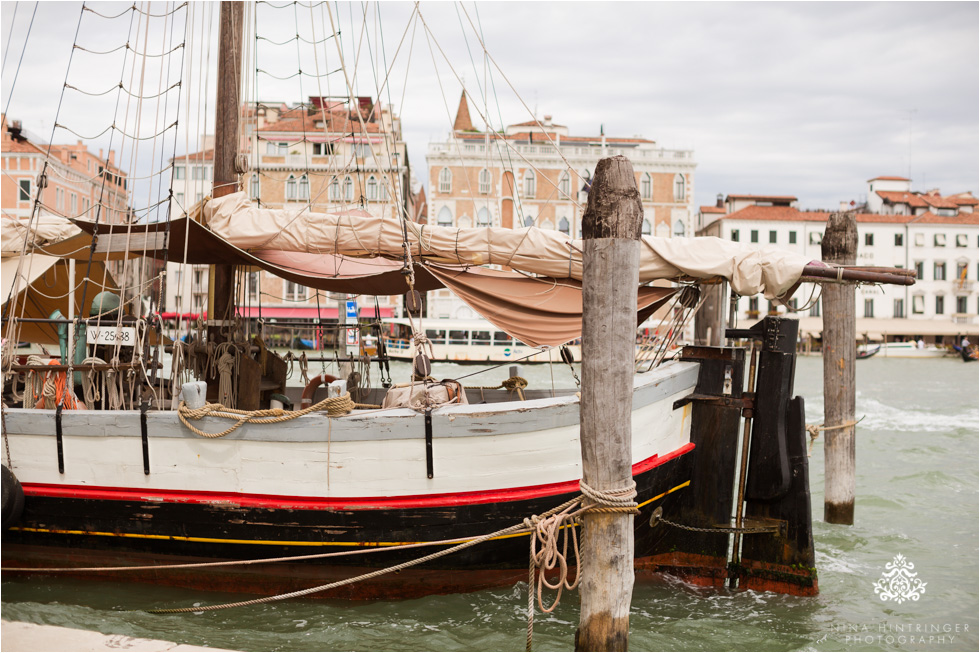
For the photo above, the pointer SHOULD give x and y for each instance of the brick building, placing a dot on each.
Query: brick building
(536, 173)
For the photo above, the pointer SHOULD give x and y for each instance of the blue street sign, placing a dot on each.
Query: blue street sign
(351, 309)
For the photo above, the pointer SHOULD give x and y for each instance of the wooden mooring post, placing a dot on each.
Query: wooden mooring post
(840, 242)
(611, 229)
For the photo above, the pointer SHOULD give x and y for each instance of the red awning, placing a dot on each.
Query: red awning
(308, 312)
(173, 315)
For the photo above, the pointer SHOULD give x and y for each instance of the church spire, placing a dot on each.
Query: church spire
(463, 122)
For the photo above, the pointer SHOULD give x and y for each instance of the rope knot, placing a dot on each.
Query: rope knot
(618, 500)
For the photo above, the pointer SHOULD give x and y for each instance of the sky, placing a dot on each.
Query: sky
(802, 99)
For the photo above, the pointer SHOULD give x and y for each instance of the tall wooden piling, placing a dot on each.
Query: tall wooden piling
(611, 229)
(839, 246)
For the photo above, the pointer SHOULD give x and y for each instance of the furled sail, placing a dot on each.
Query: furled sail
(531, 250)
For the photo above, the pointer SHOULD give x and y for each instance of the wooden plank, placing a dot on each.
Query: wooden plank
(111, 243)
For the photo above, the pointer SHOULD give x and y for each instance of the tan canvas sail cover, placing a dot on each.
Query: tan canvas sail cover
(536, 251)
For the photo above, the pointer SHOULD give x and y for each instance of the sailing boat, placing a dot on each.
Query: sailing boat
(286, 499)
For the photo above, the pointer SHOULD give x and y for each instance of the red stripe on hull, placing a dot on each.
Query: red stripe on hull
(309, 503)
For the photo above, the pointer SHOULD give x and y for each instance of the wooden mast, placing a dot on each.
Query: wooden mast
(221, 300)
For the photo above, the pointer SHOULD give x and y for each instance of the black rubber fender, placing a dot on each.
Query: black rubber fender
(13, 499)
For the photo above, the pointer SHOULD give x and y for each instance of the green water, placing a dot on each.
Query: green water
(917, 458)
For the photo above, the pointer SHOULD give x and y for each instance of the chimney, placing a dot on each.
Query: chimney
(112, 157)
(720, 201)
(547, 120)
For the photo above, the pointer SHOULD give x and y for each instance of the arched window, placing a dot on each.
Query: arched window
(529, 221)
(679, 187)
(445, 217)
(547, 224)
(563, 226)
(290, 188)
(679, 228)
(485, 181)
(335, 189)
(586, 181)
(348, 189)
(483, 217)
(647, 228)
(530, 184)
(372, 188)
(464, 222)
(445, 180)
(565, 187)
(304, 188)
(646, 186)
(253, 187)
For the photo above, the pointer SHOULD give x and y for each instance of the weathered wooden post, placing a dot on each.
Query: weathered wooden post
(611, 230)
(839, 246)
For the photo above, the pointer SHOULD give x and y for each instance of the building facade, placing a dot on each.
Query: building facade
(937, 236)
(76, 184)
(537, 174)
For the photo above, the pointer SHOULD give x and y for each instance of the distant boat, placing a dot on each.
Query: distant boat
(910, 350)
(969, 354)
(867, 351)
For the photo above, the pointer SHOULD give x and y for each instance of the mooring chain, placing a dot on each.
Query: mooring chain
(719, 529)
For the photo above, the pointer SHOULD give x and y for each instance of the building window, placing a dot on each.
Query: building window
(529, 221)
(334, 192)
(253, 286)
(178, 172)
(869, 308)
(253, 187)
(372, 188)
(754, 306)
(679, 229)
(869, 240)
(322, 149)
(816, 237)
(295, 292)
(646, 186)
(918, 304)
(961, 240)
(180, 199)
(445, 217)
(772, 236)
(483, 217)
(940, 304)
(898, 309)
(348, 189)
(445, 180)
(919, 270)
(754, 235)
(899, 240)
(200, 172)
(939, 271)
(290, 188)
(792, 238)
(484, 181)
(282, 149)
(679, 187)
(304, 188)
(647, 228)
(270, 148)
(565, 228)
(961, 269)
(734, 235)
(25, 190)
(961, 304)
(920, 240)
(815, 309)
(530, 184)
(565, 186)
(939, 240)
(74, 204)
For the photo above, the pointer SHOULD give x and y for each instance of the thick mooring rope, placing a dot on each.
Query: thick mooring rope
(333, 405)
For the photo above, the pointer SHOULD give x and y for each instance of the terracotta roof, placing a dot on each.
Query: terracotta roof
(889, 179)
(540, 137)
(205, 155)
(535, 123)
(712, 209)
(938, 202)
(901, 197)
(773, 198)
(789, 214)
(301, 120)
(23, 146)
(959, 218)
(964, 199)
(463, 122)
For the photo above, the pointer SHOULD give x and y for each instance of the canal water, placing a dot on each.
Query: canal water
(917, 497)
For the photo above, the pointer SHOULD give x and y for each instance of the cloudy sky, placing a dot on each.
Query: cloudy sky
(804, 99)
